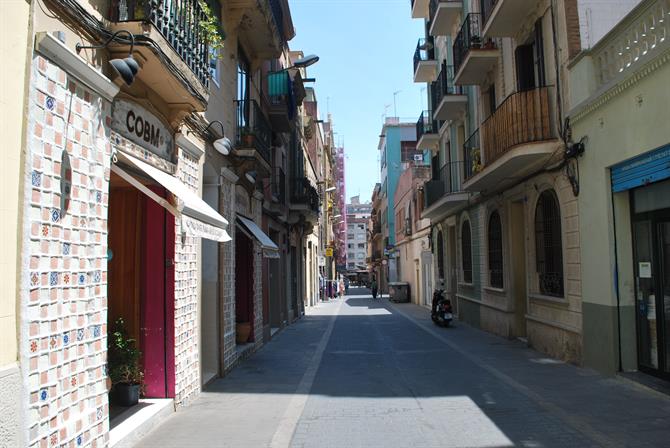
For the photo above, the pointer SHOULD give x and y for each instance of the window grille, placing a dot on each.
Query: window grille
(466, 252)
(548, 245)
(495, 251)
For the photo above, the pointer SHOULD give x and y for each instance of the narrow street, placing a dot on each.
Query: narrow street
(362, 373)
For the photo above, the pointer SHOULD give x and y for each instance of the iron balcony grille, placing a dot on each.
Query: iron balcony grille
(444, 85)
(495, 250)
(253, 129)
(466, 251)
(469, 38)
(448, 181)
(303, 192)
(426, 124)
(178, 22)
(548, 245)
(472, 156)
(524, 117)
(425, 51)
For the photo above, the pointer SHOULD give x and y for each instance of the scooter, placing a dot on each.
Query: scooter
(441, 311)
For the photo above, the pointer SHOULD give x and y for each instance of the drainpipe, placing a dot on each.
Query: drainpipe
(616, 283)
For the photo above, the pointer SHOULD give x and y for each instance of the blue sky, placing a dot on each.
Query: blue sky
(365, 49)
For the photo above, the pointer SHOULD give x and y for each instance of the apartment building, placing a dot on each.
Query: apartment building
(503, 201)
(358, 215)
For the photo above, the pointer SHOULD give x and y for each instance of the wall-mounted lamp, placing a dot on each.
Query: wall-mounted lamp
(251, 176)
(223, 144)
(306, 61)
(330, 189)
(337, 216)
(128, 67)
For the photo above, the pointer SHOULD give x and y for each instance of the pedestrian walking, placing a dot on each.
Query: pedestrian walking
(373, 286)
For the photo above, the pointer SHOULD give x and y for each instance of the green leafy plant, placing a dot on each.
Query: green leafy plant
(211, 28)
(124, 356)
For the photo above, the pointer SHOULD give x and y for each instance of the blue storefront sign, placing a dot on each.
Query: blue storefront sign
(644, 169)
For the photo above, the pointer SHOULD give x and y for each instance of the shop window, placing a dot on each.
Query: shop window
(548, 245)
(466, 252)
(495, 251)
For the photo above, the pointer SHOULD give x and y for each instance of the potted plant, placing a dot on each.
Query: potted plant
(243, 331)
(124, 366)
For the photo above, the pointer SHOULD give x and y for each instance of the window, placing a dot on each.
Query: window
(495, 251)
(361, 256)
(466, 252)
(361, 245)
(214, 66)
(548, 245)
(350, 246)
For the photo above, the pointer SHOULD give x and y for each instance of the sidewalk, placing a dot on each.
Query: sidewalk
(610, 410)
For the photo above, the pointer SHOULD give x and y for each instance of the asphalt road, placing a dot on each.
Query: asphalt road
(362, 373)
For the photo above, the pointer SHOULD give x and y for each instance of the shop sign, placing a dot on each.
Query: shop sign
(329, 251)
(142, 128)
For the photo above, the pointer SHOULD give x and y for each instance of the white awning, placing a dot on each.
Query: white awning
(197, 217)
(270, 249)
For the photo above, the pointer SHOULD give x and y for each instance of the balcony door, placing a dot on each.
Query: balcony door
(530, 61)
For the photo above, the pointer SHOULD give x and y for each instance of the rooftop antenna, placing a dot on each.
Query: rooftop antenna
(386, 106)
(395, 111)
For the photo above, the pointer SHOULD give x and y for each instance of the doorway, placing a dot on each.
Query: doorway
(141, 280)
(427, 266)
(451, 268)
(244, 287)
(275, 290)
(517, 267)
(210, 312)
(652, 290)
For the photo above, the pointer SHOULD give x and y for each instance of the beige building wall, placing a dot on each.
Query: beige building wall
(15, 20)
(620, 119)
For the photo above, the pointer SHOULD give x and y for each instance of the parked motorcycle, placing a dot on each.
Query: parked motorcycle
(441, 312)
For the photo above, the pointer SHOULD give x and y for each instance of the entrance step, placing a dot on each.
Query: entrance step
(128, 427)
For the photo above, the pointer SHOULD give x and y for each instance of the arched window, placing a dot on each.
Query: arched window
(548, 245)
(466, 251)
(440, 255)
(495, 251)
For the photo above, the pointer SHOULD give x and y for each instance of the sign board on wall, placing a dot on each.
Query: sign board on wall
(142, 128)
(329, 251)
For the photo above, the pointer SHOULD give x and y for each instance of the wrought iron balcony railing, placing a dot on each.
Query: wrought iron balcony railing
(470, 38)
(444, 85)
(426, 124)
(472, 156)
(180, 24)
(303, 192)
(448, 181)
(253, 129)
(524, 117)
(425, 51)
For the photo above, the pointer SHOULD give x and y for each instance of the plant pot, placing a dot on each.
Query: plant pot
(242, 331)
(126, 394)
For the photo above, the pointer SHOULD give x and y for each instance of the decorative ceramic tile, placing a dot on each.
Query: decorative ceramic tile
(33, 346)
(50, 103)
(54, 439)
(97, 276)
(97, 330)
(80, 439)
(73, 381)
(66, 279)
(66, 338)
(53, 278)
(36, 179)
(44, 394)
(82, 279)
(99, 413)
(55, 215)
(80, 334)
(98, 196)
(53, 343)
(34, 279)
(66, 248)
(45, 231)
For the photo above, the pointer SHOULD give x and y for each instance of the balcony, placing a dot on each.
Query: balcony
(420, 9)
(305, 199)
(474, 57)
(427, 131)
(443, 194)
(425, 65)
(517, 140)
(253, 134)
(448, 99)
(444, 16)
(177, 66)
(503, 18)
(264, 25)
(285, 93)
